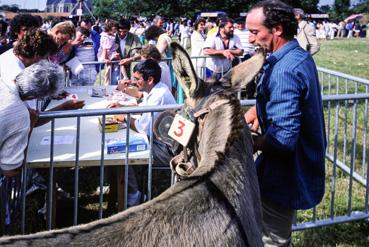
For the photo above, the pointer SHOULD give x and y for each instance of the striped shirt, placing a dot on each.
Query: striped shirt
(289, 109)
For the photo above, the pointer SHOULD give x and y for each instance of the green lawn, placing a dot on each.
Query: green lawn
(350, 57)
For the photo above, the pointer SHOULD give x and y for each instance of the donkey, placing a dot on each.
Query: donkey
(215, 203)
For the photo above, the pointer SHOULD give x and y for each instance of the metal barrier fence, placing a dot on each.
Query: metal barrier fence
(345, 100)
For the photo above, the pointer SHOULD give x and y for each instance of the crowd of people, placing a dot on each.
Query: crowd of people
(292, 141)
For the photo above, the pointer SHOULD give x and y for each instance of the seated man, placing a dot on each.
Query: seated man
(36, 81)
(146, 75)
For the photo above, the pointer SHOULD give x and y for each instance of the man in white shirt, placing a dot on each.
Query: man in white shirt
(243, 33)
(146, 75)
(222, 48)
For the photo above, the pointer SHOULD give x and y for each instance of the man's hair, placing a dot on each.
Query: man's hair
(124, 24)
(35, 43)
(150, 51)
(86, 20)
(156, 19)
(41, 79)
(278, 13)
(83, 31)
(22, 20)
(153, 32)
(65, 27)
(149, 68)
(224, 20)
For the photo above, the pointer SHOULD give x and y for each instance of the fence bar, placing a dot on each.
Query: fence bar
(353, 155)
(101, 195)
(50, 193)
(126, 164)
(76, 173)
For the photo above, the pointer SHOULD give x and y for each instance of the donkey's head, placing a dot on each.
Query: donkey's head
(214, 109)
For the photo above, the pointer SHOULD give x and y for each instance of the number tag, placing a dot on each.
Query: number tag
(181, 129)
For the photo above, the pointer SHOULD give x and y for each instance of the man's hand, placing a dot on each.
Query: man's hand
(122, 84)
(62, 95)
(125, 61)
(114, 105)
(133, 91)
(228, 55)
(71, 105)
(252, 119)
(33, 117)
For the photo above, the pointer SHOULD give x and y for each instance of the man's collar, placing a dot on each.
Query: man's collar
(281, 52)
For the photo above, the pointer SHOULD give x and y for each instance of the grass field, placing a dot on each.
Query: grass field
(350, 57)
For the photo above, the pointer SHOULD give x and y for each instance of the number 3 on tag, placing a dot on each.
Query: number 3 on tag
(181, 129)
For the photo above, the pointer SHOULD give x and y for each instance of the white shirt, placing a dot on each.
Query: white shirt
(10, 66)
(122, 44)
(220, 64)
(14, 127)
(248, 48)
(159, 95)
(165, 75)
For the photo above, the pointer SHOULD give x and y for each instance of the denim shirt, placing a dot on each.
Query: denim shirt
(289, 108)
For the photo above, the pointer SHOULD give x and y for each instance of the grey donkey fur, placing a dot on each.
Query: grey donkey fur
(217, 205)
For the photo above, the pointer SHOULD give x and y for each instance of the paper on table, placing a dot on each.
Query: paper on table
(58, 140)
(75, 65)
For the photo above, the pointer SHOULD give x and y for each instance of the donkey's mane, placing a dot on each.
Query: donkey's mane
(222, 126)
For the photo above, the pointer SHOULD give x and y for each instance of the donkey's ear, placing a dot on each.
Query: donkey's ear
(242, 74)
(184, 70)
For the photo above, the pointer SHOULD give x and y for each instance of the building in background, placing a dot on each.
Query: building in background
(66, 6)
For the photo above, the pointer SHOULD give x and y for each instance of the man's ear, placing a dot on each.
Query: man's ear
(278, 30)
(150, 80)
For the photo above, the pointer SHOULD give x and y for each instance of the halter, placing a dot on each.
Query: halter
(181, 164)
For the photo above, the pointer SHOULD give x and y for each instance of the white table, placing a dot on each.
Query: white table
(90, 139)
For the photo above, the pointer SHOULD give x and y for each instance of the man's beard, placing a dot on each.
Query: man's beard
(229, 34)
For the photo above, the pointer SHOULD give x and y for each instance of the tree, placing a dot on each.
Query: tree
(341, 9)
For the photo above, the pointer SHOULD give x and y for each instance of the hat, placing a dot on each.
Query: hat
(298, 11)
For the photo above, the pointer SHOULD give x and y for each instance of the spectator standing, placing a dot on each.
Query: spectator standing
(108, 49)
(349, 27)
(63, 34)
(341, 31)
(185, 32)
(289, 109)
(222, 48)
(306, 34)
(243, 33)
(84, 51)
(198, 38)
(357, 29)
(18, 27)
(128, 46)
(162, 40)
(94, 35)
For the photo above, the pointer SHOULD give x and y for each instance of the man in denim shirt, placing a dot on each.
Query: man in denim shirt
(289, 111)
